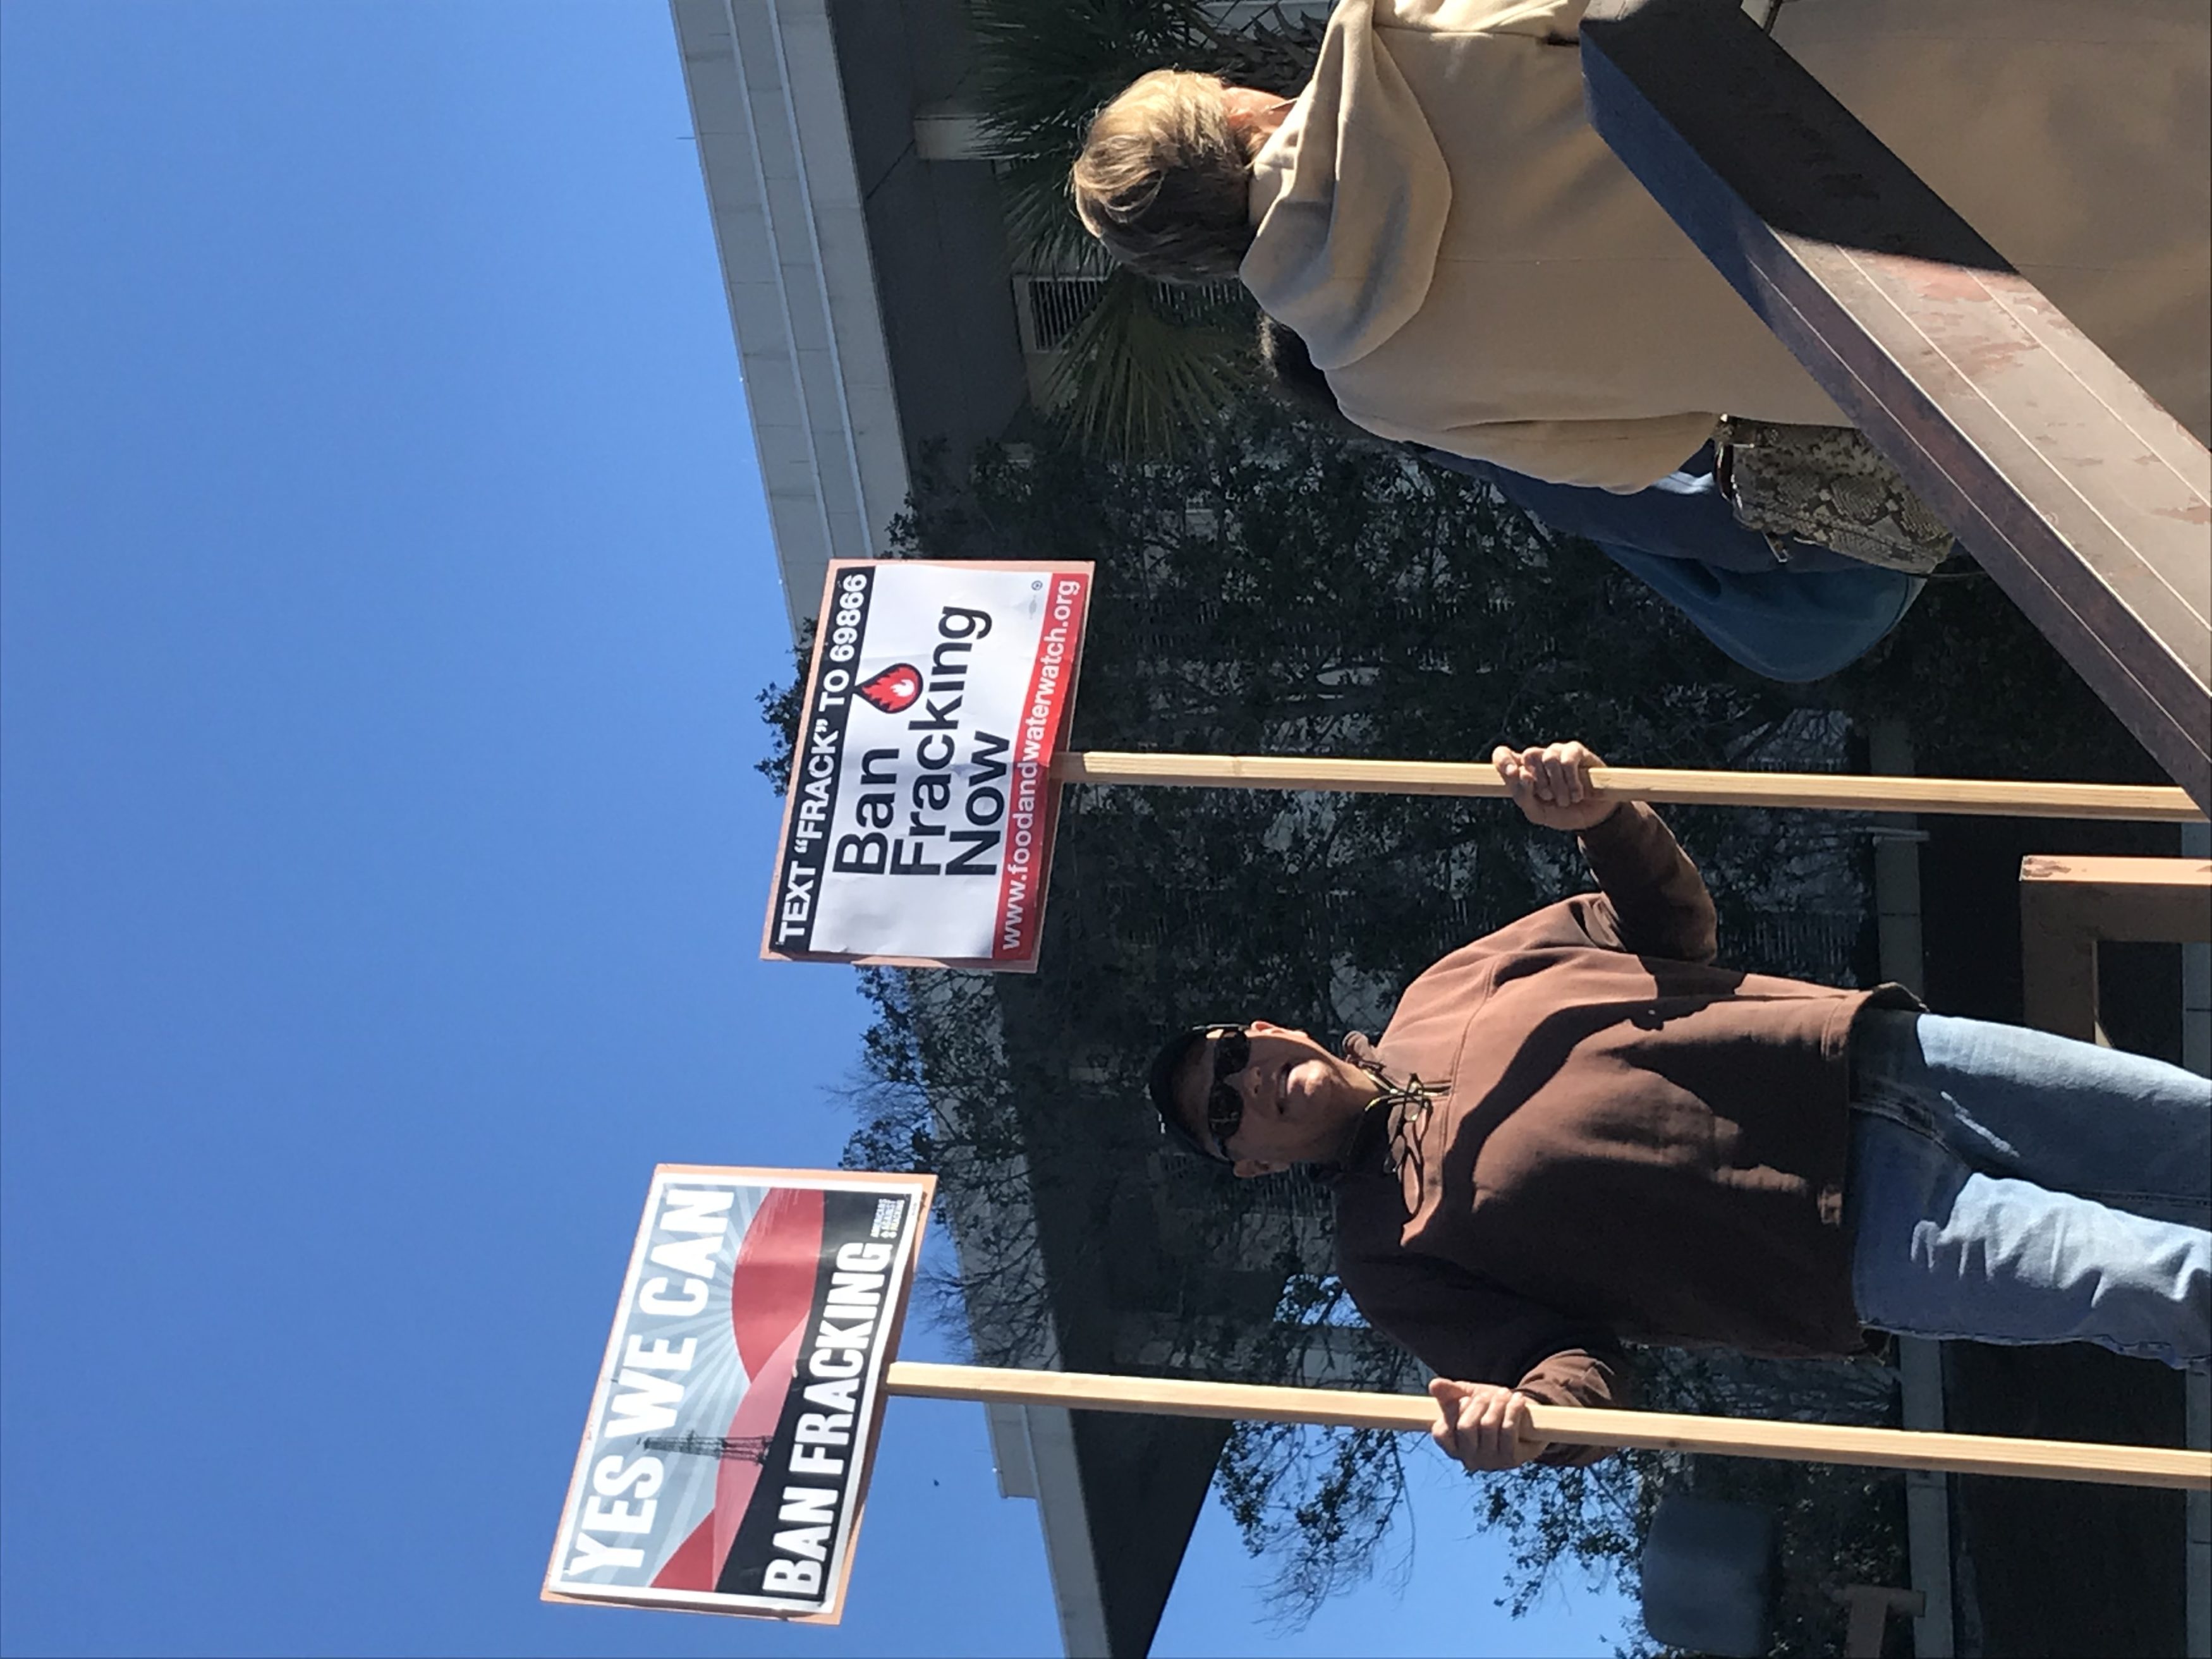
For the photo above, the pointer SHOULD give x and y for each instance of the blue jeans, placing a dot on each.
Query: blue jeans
(2010, 1185)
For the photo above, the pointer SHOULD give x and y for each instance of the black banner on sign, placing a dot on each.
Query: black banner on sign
(789, 1542)
(819, 746)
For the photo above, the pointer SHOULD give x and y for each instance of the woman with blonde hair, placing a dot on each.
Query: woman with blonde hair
(1475, 269)
(1165, 180)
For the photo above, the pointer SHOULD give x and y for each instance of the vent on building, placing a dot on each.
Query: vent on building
(1051, 309)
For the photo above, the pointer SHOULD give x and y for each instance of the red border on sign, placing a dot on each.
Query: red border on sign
(1026, 866)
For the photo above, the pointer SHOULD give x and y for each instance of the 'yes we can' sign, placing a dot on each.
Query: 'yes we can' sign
(726, 1454)
(918, 825)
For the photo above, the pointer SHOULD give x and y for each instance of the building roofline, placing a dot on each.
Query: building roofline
(775, 155)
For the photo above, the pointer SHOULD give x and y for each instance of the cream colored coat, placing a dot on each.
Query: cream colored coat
(1474, 269)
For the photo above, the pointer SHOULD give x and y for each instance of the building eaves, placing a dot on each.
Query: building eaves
(776, 153)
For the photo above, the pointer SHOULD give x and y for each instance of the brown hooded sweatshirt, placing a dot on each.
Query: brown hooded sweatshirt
(1622, 1141)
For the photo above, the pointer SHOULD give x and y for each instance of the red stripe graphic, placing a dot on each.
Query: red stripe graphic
(771, 1294)
(692, 1567)
(772, 1282)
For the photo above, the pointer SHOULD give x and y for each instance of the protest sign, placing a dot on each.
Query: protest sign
(726, 1456)
(918, 826)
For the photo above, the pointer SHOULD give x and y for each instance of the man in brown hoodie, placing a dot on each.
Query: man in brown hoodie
(1580, 1131)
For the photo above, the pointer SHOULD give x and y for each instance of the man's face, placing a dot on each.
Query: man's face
(1299, 1100)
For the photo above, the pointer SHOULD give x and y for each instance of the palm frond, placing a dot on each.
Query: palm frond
(1043, 66)
(1145, 359)
(1148, 366)
(1042, 231)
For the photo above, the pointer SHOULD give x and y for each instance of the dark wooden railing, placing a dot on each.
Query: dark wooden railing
(2088, 503)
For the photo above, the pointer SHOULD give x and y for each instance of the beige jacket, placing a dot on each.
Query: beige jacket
(1474, 269)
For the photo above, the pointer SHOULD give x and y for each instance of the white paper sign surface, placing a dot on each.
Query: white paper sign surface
(919, 824)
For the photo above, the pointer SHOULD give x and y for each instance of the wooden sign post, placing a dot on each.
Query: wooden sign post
(1723, 1436)
(1837, 791)
(930, 752)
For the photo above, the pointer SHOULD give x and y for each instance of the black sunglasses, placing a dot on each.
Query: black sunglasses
(1225, 1107)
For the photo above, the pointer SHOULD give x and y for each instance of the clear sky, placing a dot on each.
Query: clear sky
(383, 589)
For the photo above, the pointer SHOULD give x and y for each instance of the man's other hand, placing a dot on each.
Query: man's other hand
(1483, 1426)
(1552, 784)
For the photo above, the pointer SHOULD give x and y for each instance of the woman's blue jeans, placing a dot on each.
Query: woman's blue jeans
(2010, 1185)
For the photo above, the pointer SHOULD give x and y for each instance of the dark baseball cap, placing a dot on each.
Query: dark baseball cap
(1160, 1084)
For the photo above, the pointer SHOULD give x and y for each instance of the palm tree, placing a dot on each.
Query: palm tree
(1148, 361)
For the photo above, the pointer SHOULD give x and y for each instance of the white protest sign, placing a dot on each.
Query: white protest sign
(726, 1456)
(919, 824)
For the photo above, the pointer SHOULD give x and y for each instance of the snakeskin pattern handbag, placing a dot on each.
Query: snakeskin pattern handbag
(1826, 485)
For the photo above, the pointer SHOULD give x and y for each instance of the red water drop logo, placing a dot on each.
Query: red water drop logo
(894, 689)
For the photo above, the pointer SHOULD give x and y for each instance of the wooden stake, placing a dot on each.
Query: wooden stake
(1725, 1436)
(1831, 790)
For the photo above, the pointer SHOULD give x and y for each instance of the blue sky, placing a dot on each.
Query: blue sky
(384, 585)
